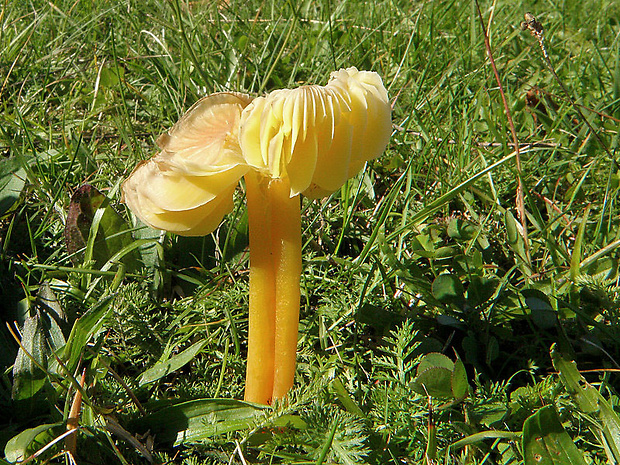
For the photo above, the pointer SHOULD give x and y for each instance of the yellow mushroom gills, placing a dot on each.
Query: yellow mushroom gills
(307, 140)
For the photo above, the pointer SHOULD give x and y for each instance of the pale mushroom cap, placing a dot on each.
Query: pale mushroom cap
(318, 136)
(188, 187)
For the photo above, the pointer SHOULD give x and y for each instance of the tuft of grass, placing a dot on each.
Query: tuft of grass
(424, 253)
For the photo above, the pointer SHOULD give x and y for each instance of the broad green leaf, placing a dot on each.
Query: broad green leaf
(200, 419)
(25, 443)
(611, 428)
(41, 335)
(237, 235)
(434, 382)
(149, 253)
(442, 253)
(489, 413)
(601, 268)
(109, 76)
(152, 254)
(545, 442)
(289, 421)
(52, 316)
(12, 182)
(448, 289)
(170, 365)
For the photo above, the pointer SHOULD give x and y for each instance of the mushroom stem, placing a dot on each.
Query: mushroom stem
(275, 269)
(261, 335)
(286, 242)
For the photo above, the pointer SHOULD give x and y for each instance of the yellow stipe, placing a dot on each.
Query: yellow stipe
(260, 361)
(275, 269)
(286, 243)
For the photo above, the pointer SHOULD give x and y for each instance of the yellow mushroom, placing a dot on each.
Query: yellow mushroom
(187, 188)
(308, 141)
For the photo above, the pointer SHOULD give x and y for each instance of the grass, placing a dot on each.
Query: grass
(422, 253)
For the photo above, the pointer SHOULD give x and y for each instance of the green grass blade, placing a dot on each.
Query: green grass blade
(575, 263)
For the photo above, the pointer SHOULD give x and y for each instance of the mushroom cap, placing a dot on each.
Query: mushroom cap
(318, 136)
(188, 187)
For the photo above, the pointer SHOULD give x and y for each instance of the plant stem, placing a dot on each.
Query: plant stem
(275, 270)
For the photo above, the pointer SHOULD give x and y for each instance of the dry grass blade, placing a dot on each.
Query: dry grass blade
(520, 204)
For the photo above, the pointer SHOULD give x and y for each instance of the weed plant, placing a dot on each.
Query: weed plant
(442, 320)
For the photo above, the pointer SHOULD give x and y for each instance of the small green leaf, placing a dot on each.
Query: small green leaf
(434, 382)
(460, 387)
(435, 359)
(492, 350)
(543, 314)
(516, 242)
(459, 228)
(345, 398)
(578, 246)
(611, 428)
(289, 421)
(149, 253)
(601, 268)
(52, 315)
(237, 237)
(591, 401)
(480, 290)
(545, 442)
(167, 366)
(109, 76)
(488, 414)
(12, 182)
